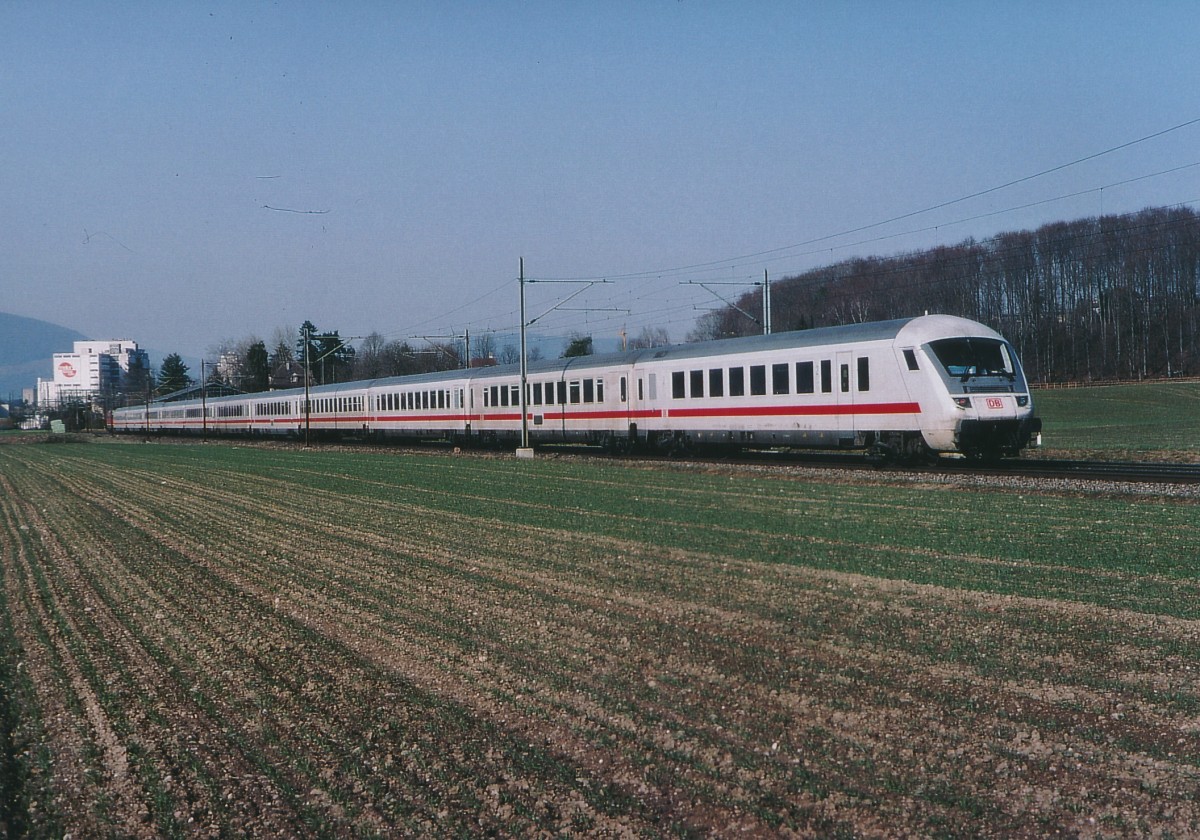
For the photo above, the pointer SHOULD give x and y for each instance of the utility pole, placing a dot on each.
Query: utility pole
(147, 408)
(203, 402)
(766, 304)
(307, 404)
(525, 450)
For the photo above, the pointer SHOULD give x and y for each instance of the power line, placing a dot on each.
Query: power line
(902, 216)
(774, 254)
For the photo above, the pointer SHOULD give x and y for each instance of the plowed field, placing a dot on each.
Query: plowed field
(230, 641)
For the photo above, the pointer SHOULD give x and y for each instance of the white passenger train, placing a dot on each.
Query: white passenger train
(900, 389)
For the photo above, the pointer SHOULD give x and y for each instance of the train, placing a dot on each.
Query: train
(902, 390)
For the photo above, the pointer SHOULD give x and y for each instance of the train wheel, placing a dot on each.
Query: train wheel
(881, 455)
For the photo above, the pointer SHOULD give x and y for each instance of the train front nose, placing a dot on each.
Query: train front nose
(1002, 424)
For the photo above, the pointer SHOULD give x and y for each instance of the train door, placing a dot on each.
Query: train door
(843, 389)
(630, 401)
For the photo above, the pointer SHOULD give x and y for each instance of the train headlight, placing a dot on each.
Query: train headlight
(962, 402)
(1022, 401)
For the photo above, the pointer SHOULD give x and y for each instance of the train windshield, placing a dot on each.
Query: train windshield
(967, 357)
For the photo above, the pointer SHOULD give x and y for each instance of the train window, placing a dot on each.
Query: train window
(779, 379)
(573, 389)
(504, 392)
(845, 369)
(826, 377)
(589, 390)
(537, 393)
(737, 382)
(804, 377)
(641, 387)
(967, 357)
(758, 380)
(677, 385)
(599, 390)
(562, 392)
(515, 395)
(864, 373)
(716, 382)
(697, 384)
(910, 359)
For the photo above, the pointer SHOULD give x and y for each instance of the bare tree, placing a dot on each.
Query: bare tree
(650, 337)
(485, 348)
(370, 361)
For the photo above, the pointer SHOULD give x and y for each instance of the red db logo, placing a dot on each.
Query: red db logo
(995, 403)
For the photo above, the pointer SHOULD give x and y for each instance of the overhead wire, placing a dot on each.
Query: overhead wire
(787, 252)
(908, 215)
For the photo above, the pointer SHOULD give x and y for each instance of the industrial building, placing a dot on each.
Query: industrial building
(92, 373)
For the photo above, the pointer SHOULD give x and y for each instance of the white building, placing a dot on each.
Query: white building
(90, 373)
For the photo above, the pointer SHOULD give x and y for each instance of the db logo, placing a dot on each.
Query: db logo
(995, 403)
(66, 369)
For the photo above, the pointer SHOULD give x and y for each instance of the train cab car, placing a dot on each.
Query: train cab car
(902, 389)
(979, 404)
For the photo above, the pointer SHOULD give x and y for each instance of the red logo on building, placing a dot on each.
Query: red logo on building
(66, 369)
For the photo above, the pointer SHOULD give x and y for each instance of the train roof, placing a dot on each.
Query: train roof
(917, 330)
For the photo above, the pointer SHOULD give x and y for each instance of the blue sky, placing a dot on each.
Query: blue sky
(185, 173)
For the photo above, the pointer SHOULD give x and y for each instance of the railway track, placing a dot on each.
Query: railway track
(1134, 472)
(1138, 472)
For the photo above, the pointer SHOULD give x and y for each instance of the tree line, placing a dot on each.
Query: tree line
(249, 366)
(1110, 297)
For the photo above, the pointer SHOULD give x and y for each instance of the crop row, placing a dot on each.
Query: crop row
(231, 641)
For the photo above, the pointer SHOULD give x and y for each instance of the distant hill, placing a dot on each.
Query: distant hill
(26, 347)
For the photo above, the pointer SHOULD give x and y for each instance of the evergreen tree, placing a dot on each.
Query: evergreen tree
(256, 369)
(580, 345)
(329, 358)
(173, 375)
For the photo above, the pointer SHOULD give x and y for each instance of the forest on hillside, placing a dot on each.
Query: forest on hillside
(1113, 297)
